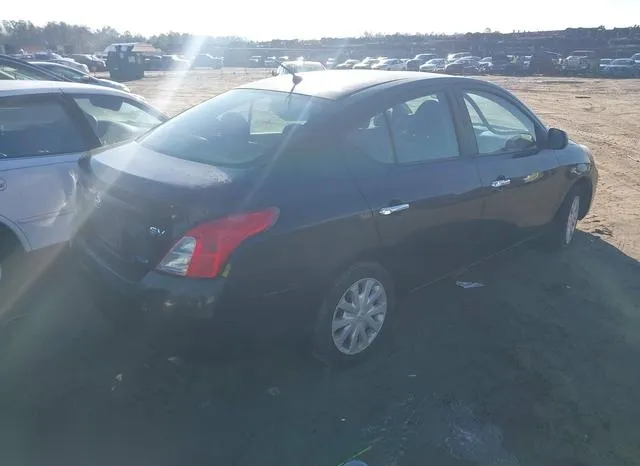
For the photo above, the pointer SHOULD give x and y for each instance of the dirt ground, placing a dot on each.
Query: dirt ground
(538, 367)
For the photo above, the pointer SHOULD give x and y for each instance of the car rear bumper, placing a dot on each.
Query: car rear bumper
(156, 296)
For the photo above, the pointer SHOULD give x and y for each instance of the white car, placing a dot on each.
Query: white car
(433, 65)
(390, 64)
(72, 64)
(45, 127)
(298, 66)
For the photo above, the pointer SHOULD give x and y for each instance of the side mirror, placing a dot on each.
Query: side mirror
(557, 139)
(274, 72)
(86, 79)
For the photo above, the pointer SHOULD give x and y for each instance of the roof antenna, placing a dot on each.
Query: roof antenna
(296, 78)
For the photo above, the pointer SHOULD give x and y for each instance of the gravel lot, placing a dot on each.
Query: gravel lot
(539, 367)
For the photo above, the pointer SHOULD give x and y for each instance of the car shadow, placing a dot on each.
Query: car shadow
(537, 366)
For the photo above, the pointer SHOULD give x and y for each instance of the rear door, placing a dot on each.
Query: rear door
(522, 183)
(422, 188)
(40, 144)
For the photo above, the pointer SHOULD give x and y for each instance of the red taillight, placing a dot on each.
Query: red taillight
(203, 250)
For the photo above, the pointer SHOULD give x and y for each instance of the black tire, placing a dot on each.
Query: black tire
(324, 348)
(559, 237)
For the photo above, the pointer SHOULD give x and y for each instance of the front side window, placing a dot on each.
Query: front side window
(498, 125)
(37, 127)
(234, 128)
(115, 119)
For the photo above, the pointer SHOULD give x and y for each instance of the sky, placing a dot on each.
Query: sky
(289, 19)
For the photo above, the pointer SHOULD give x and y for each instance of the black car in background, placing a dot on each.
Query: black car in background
(16, 68)
(78, 76)
(93, 63)
(204, 60)
(327, 191)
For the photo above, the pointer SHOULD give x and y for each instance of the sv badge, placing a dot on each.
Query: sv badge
(156, 232)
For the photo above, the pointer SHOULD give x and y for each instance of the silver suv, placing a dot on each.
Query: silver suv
(45, 127)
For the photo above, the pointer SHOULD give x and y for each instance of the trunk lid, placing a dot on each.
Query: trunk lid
(134, 203)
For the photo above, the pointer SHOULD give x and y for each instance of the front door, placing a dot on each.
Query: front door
(522, 181)
(422, 190)
(39, 148)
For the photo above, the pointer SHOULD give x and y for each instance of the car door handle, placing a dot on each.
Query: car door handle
(393, 209)
(500, 183)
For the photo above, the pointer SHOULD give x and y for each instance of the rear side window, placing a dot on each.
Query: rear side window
(425, 131)
(234, 128)
(36, 127)
(373, 138)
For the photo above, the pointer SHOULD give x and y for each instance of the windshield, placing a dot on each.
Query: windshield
(63, 71)
(235, 128)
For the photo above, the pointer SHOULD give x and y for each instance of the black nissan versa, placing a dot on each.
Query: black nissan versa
(333, 190)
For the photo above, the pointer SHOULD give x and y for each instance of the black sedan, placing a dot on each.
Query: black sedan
(78, 76)
(323, 194)
(16, 68)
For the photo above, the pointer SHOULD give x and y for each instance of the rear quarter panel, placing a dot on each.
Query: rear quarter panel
(39, 197)
(323, 226)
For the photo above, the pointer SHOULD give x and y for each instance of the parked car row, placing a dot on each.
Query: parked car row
(337, 190)
(546, 62)
(457, 63)
(176, 62)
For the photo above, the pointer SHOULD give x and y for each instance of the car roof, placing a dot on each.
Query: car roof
(30, 87)
(337, 84)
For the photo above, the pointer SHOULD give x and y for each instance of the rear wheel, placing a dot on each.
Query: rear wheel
(354, 316)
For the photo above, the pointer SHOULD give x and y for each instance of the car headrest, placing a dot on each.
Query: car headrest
(93, 121)
(429, 110)
(233, 126)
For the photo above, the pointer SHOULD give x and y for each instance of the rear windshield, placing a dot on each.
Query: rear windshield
(234, 128)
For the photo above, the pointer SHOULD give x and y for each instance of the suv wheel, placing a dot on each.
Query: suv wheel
(354, 315)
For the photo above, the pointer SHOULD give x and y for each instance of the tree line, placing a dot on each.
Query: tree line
(72, 38)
